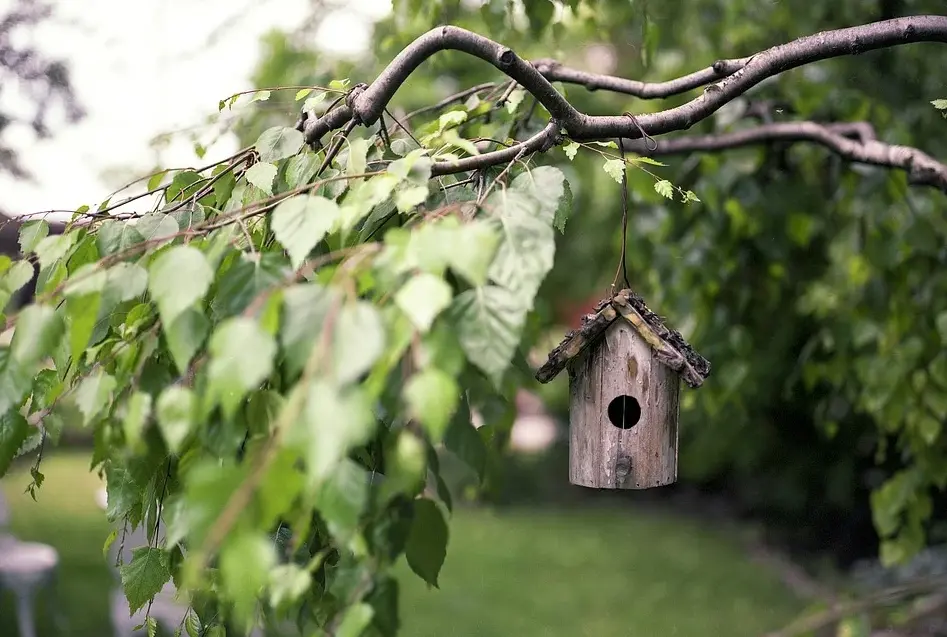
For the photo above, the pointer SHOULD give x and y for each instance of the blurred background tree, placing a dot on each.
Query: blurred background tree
(39, 86)
(816, 287)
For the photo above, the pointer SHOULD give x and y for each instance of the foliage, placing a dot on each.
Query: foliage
(270, 361)
(249, 356)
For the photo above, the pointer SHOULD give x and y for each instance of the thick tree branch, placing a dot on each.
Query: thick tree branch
(921, 168)
(367, 103)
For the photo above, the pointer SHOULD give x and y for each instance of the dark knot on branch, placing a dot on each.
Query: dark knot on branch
(351, 100)
(506, 58)
(554, 138)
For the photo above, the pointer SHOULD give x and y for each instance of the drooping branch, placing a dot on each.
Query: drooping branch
(922, 169)
(365, 104)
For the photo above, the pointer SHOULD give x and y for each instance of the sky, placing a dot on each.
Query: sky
(146, 67)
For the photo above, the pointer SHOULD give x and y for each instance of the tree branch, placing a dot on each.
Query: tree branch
(557, 72)
(367, 103)
(921, 168)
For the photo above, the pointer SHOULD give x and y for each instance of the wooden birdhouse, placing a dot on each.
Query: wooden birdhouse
(625, 369)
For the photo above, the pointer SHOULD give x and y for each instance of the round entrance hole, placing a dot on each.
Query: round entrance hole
(624, 412)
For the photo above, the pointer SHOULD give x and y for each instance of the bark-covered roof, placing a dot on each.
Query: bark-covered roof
(668, 344)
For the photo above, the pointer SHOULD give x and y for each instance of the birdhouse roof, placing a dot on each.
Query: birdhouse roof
(668, 345)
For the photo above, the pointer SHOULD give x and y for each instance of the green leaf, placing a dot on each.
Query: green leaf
(299, 223)
(355, 619)
(88, 279)
(179, 185)
(514, 100)
(342, 498)
(941, 322)
(432, 397)
(473, 249)
(615, 168)
(144, 576)
(405, 465)
(301, 168)
(288, 583)
(464, 441)
(358, 154)
(137, 412)
(278, 142)
(38, 331)
(209, 486)
(115, 236)
(427, 542)
(409, 198)
(245, 562)
(241, 358)
(14, 430)
(15, 381)
(490, 321)
(156, 226)
(664, 188)
(314, 101)
(305, 311)
(363, 195)
(13, 279)
(548, 186)
(564, 210)
(335, 420)
(451, 119)
(49, 250)
(261, 175)
(422, 298)
(358, 340)
(571, 150)
(185, 336)
(125, 281)
(175, 413)
(641, 159)
(539, 13)
(192, 624)
(109, 541)
(177, 279)
(83, 313)
(189, 215)
(155, 180)
(528, 249)
(94, 393)
(31, 233)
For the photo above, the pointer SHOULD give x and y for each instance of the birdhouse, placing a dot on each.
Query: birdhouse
(625, 369)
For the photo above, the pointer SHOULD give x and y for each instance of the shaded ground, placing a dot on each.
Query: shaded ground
(587, 571)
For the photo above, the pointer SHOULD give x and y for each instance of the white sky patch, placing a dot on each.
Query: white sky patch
(148, 67)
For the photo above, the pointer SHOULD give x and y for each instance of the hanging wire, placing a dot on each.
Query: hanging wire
(651, 145)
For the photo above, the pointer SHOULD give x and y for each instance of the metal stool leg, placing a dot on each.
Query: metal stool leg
(24, 613)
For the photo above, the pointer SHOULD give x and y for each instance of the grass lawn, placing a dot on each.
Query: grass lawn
(595, 572)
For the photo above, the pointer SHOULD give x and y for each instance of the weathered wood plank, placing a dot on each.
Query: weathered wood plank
(604, 456)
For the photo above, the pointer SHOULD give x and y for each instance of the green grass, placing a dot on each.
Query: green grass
(595, 572)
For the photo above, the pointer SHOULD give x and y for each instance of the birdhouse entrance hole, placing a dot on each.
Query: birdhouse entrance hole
(624, 412)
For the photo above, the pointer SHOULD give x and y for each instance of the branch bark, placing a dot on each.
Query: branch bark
(366, 103)
(853, 141)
